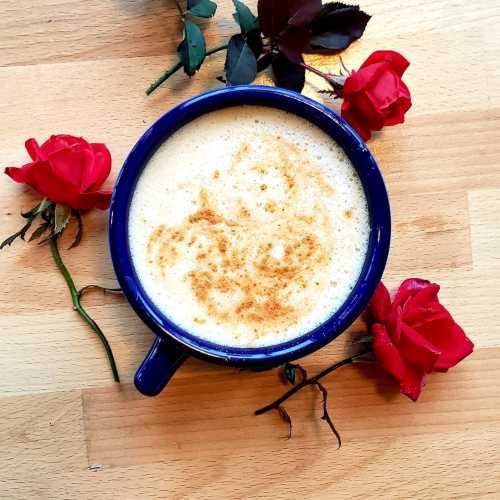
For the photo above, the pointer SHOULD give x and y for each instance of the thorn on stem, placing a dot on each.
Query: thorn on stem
(344, 67)
(105, 290)
(326, 416)
(286, 417)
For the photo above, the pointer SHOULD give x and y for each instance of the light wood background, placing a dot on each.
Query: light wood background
(67, 431)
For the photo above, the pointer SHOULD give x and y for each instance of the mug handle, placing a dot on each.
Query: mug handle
(158, 367)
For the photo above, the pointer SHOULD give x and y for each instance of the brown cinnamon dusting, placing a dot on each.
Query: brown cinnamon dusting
(238, 275)
(243, 151)
(348, 213)
(244, 212)
(306, 219)
(270, 206)
(260, 169)
(205, 214)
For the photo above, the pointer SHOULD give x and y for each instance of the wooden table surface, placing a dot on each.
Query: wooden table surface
(67, 431)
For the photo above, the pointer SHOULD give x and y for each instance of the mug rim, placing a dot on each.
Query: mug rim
(362, 161)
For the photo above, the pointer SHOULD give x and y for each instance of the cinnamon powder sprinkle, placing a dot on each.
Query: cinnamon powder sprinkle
(246, 270)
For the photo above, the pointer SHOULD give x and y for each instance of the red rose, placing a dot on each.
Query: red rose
(67, 170)
(375, 95)
(415, 334)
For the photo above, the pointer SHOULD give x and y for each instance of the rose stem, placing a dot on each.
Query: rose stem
(179, 8)
(336, 81)
(309, 381)
(177, 66)
(75, 297)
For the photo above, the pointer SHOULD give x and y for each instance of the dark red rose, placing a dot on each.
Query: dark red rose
(415, 334)
(375, 95)
(67, 170)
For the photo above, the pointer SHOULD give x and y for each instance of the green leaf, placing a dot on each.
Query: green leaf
(336, 26)
(192, 49)
(289, 372)
(62, 213)
(37, 209)
(201, 8)
(32, 212)
(39, 231)
(363, 339)
(366, 357)
(241, 64)
(31, 215)
(20, 234)
(244, 17)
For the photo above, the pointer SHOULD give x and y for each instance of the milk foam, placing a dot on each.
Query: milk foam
(248, 227)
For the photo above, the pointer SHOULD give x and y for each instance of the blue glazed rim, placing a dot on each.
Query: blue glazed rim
(371, 178)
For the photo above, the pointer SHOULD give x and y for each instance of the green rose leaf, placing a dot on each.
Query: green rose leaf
(192, 49)
(62, 213)
(241, 64)
(336, 26)
(289, 373)
(201, 8)
(37, 209)
(31, 215)
(244, 17)
(19, 234)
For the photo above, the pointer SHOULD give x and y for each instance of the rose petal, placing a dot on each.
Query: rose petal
(417, 313)
(368, 112)
(422, 304)
(380, 303)
(358, 80)
(394, 324)
(386, 352)
(408, 288)
(396, 111)
(417, 350)
(95, 199)
(412, 383)
(48, 184)
(415, 316)
(63, 141)
(21, 175)
(360, 113)
(354, 122)
(386, 94)
(449, 338)
(384, 90)
(395, 60)
(102, 167)
(34, 150)
(88, 170)
(69, 164)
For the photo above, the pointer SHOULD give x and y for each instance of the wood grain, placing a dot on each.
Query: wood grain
(81, 67)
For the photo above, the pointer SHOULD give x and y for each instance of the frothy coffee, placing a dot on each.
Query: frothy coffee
(248, 227)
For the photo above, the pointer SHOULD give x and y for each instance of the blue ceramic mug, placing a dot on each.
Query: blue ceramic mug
(173, 344)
